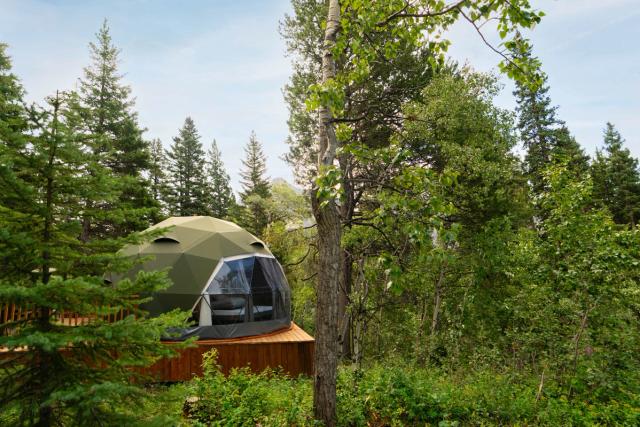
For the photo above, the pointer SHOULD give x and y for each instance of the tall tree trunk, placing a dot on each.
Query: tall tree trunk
(45, 412)
(420, 353)
(344, 318)
(359, 315)
(329, 233)
(326, 347)
(347, 209)
(437, 301)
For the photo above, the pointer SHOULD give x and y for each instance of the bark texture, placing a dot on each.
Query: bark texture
(344, 317)
(347, 209)
(329, 234)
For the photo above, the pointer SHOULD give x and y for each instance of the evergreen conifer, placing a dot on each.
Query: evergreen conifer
(106, 117)
(53, 372)
(256, 189)
(219, 188)
(158, 177)
(545, 137)
(254, 181)
(188, 187)
(616, 179)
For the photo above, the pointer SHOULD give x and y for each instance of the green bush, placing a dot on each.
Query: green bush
(247, 399)
(387, 395)
(408, 396)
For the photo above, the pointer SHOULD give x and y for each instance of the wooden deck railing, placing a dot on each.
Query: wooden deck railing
(10, 313)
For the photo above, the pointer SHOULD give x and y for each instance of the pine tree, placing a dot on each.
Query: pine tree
(14, 246)
(256, 189)
(218, 181)
(616, 179)
(104, 96)
(254, 181)
(568, 151)
(544, 136)
(12, 114)
(69, 372)
(158, 177)
(537, 123)
(188, 188)
(105, 106)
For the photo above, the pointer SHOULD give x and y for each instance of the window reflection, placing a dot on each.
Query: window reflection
(247, 290)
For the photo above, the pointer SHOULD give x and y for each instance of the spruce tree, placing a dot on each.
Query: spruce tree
(254, 181)
(218, 181)
(158, 176)
(616, 179)
(537, 123)
(569, 152)
(53, 373)
(256, 189)
(104, 96)
(15, 246)
(12, 114)
(544, 136)
(188, 187)
(105, 107)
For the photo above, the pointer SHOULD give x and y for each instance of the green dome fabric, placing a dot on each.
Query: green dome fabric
(192, 248)
(223, 274)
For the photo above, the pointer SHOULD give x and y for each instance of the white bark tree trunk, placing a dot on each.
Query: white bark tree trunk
(329, 235)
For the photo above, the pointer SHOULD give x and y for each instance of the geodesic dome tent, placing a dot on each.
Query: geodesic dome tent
(226, 276)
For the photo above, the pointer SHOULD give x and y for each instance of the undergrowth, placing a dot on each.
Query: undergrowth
(388, 396)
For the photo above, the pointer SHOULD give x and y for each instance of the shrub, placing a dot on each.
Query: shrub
(247, 399)
(394, 395)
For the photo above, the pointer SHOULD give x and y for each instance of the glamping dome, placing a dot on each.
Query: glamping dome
(227, 277)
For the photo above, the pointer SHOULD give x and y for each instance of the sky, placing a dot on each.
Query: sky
(223, 63)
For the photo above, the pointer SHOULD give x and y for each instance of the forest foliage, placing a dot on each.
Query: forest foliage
(477, 286)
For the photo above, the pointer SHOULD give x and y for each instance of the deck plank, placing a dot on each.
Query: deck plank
(293, 334)
(291, 349)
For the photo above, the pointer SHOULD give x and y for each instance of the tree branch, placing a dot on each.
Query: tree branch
(300, 260)
(484, 40)
(401, 13)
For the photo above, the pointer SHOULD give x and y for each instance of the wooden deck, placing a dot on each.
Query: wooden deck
(10, 313)
(290, 349)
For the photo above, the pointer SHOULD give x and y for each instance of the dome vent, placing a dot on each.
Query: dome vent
(166, 239)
